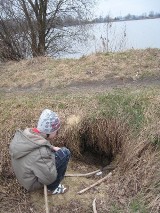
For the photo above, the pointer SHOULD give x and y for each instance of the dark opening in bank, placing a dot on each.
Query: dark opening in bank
(96, 141)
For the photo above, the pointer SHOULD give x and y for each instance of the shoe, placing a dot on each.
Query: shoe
(59, 190)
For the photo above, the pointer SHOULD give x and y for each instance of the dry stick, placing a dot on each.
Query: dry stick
(46, 199)
(94, 206)
(98, 182)
(82, 175)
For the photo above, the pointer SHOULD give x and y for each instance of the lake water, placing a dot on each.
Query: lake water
(119, 36)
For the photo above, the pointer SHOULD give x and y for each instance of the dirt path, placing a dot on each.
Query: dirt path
(89, 86)
(112, 83)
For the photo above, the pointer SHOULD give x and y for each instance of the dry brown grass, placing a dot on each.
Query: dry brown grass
(135, 179)
(44, 72)
(103, 137)
(136, 161)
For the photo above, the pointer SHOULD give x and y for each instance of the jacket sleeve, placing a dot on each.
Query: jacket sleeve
(44, 167)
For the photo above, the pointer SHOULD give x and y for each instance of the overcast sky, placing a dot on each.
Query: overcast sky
(123, 7)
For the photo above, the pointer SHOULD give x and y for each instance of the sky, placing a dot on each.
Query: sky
(116, 8)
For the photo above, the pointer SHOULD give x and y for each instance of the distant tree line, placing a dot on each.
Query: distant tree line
(71, 21)
(108, 18)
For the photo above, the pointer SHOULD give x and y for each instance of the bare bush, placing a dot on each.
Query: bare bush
(39, 27)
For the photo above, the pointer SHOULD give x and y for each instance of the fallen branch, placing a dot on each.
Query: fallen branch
(98, 182)
(82, 175)
(94, 206)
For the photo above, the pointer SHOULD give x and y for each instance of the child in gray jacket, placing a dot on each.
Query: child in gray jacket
(34, 160)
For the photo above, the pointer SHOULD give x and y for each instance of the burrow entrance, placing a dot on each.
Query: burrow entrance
(96, 141)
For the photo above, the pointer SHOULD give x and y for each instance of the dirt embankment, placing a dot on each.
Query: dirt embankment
(94, 73)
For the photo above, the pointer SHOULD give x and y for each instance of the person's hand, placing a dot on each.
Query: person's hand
(55, 148)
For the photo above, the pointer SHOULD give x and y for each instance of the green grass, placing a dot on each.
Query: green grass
(137, 206)
(155, 140)
(62, 106)
(125, 105)
(115, 209)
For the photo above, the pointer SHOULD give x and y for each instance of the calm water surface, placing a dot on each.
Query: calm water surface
(119, 36)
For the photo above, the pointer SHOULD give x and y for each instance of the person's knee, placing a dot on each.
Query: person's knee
(66, 151)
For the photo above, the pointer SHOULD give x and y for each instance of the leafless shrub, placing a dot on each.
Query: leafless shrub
(35, 28)
(112, 40)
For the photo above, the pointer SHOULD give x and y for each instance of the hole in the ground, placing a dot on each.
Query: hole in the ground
(91, 152)
(96, 141)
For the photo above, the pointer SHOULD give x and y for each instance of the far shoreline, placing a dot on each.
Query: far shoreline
(135, 19)
(112, 20)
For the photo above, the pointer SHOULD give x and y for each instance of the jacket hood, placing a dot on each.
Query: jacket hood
(25, 142)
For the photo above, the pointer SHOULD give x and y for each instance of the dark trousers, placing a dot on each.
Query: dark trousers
(62, 157)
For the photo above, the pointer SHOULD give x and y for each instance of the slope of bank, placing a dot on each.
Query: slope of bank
(135, 67)
(105, 125)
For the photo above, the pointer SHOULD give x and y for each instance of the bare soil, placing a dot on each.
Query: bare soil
(89, 86)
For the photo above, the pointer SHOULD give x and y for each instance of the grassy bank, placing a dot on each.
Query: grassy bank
(118, 127)
(46, 73)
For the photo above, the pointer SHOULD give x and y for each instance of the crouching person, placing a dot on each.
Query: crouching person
(34, 160)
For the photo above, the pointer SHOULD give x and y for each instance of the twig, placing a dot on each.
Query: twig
(98, 182)
(82, 175)
(46, 199)
(94, 206)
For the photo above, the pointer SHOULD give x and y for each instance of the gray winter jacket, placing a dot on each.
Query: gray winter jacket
(32, 160)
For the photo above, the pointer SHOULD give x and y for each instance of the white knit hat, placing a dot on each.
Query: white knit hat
(48, 122)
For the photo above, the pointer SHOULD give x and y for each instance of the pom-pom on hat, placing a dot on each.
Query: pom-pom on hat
(48, 122)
